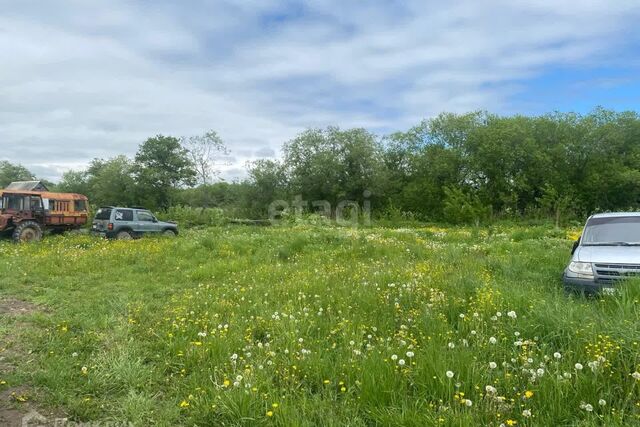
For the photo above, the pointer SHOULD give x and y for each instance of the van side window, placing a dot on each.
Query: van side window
(145, 216)
(124, 215)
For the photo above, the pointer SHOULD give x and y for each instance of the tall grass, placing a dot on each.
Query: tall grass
(310, 325)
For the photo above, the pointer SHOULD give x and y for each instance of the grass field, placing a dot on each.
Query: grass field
(317, 326)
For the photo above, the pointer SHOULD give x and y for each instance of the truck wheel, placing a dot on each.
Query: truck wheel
(124, 235)
(169, 233)
(28, 231)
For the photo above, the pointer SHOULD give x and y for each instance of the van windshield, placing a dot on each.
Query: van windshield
(612, 231)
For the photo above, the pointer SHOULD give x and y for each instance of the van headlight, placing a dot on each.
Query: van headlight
(583, 268)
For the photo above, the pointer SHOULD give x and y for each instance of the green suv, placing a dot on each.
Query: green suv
(129, 223)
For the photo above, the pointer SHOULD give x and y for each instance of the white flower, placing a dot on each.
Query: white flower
(602, 402)
(516, 333)
(473, 332)
(578, 366)
(636, 376)
(493, 340)
(468, 403)
(461, 316)
(493, 365)
(557, 355)
(491, 389)
(567, 375)
(74, 354)
(540, 372)
(588, 407)
(401, 362)
(449, 374)
(410, 354)
(498, 314)
(512, 314)
(202, 334)
(451, 345)
(526, 413)
(234, 356)
(239, 378)
(394, 357)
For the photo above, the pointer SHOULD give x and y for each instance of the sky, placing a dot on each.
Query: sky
(82, 80)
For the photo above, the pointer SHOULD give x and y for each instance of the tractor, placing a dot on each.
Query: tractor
(28, 214)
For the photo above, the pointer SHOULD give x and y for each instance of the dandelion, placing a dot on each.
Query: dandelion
(540, 372)
(493, 365)
(636, 376)
(84, 370)
(410, 354)
(526, 413)
(578, 366)
(269, 413)
(557, 355)
(449, 374)
(401, 362)
(184, 404)
(274, 405)
(588, 407)
(74, 354)
(493, 340)
(602, 402)
(468, 403)
(394, 357)
(451, 345)
(528, 394)
(511, 422)
(512, 314)
(490, 389)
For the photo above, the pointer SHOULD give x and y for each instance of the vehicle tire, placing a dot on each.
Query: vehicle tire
(26, 232)
(124, 235)
(169, 233)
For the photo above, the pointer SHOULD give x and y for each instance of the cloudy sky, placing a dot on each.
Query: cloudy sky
(81, 79)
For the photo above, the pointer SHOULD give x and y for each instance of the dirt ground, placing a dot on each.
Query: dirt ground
(16, 408)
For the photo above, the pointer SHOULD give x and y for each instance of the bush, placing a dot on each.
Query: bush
(189, 217)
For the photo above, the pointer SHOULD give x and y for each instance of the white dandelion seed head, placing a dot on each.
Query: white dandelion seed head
(449, 374)
(557, 355)
(578, 366)
(493, 365)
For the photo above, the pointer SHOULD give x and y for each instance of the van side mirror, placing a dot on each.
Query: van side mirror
(575, 245)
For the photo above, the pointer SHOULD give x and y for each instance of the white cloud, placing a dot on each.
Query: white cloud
(89, 79)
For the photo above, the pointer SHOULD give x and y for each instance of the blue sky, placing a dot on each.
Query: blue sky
(94, 79)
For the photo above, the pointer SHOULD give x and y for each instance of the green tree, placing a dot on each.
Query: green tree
(162, 165)
(10, 172)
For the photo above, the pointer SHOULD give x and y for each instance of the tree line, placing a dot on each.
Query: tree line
(458, 168)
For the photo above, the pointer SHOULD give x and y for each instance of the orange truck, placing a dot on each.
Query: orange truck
(28, 214)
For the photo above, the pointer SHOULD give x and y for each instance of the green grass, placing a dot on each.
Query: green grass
(308, 326)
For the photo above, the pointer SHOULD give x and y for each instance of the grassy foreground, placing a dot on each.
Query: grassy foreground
(319, 326)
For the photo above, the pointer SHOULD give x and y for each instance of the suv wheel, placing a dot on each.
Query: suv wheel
(28, 231)
(124, 235)
(169, 233)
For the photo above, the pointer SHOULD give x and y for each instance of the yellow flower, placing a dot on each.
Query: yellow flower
(343, 389)
(275, 405)
(269, 413)
(528, 394)
(511, 422)
(226, 383)
(184, 404)
(326, 381)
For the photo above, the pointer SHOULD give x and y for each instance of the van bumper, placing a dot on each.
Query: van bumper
(587, 286)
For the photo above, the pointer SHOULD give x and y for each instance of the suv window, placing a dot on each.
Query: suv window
(145, 216)
(104, 213)
(124, 215)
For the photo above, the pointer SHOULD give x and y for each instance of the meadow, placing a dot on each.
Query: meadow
(312, 325)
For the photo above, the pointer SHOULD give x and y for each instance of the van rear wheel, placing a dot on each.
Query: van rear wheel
(26, 232)
(124, 235)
